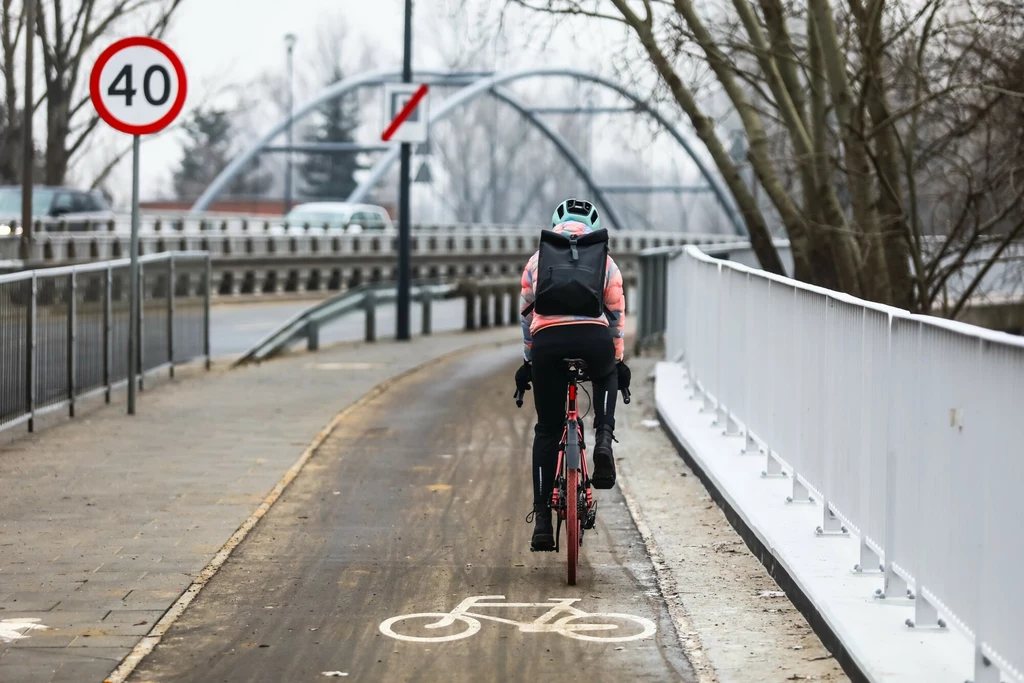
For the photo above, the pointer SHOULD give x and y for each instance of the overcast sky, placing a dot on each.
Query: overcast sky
(225, 44)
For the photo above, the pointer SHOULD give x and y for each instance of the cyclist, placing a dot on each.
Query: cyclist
(548, 339)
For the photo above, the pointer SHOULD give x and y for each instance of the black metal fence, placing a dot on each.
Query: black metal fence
(64, 331)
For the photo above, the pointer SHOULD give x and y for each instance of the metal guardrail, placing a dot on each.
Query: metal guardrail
(306, 325)
(490, 303)
(907, 429)
(64, 331)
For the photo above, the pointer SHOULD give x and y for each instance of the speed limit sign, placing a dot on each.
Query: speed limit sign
(138, 85)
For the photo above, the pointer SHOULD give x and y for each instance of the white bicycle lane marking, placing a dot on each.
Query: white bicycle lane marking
(561, 618)
(15, 629)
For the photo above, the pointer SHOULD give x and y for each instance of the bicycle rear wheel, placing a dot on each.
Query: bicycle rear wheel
(572, 522)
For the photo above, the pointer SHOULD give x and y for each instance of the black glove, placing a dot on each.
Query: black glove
(624, 375)
(523, 376)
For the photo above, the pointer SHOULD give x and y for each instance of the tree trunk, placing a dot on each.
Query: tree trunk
(758, 152)
(56, 135)
(873, 274)
(760, 236)
(893, 227)
(10, 136)
(831, 212)
(831, 264)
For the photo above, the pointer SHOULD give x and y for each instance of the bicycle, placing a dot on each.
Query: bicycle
(571, 474)
(546, 623)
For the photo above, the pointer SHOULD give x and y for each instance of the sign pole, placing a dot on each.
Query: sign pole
(402, 331)
(134, 291)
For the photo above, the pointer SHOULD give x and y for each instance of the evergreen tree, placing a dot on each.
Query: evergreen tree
(210, 147)
(332, 175)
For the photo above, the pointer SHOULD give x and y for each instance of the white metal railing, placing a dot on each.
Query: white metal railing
(909, 428)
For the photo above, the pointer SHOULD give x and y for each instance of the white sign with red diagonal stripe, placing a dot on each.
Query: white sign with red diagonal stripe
(405, 106)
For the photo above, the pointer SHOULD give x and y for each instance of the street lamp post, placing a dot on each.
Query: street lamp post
(289, 41)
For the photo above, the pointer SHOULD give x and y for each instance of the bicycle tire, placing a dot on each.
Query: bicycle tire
(473, 626)
(572, 523)
(647, 627)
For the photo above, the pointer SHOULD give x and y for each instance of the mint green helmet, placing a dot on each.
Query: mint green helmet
(577, 210)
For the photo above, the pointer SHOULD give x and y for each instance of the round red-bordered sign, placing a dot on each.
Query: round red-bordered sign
(165, 118)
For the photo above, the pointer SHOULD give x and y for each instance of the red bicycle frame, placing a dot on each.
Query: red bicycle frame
(571, 496)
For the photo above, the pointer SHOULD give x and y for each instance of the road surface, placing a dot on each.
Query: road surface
(235, 328)
(415, 504)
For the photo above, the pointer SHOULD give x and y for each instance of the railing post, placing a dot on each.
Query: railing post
(141, 303)
(499, 308)
(170, 312)
(206, 309)
(485, 308)
(470, 297)
(426, 298)
(648, 296)
(514, 314)
(72, 345)
(661, 283)
(370, 306)
(30, 359)
(643, 322)
(312, 335)
(107, 287)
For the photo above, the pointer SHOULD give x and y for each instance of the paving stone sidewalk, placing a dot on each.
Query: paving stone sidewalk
(105, 520)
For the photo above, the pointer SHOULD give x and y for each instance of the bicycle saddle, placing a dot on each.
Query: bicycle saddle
(581, 368)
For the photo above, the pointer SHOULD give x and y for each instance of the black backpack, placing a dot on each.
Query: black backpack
(571, 274)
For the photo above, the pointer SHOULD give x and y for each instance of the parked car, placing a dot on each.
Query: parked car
(79, 209)
(339, 216)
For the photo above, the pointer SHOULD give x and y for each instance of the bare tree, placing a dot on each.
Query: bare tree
(878, 129)
(12, 24)
(68, 34)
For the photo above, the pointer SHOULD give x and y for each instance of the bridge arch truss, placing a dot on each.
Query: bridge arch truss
(473, 87)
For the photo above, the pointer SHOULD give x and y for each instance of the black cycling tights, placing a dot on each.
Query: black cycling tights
(592, 343)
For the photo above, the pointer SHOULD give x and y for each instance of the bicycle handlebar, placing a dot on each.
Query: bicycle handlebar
(626, 397)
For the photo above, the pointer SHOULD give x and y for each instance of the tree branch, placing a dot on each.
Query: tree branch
(1011, 235)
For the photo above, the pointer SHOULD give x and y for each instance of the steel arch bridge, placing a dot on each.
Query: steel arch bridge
(474, 86)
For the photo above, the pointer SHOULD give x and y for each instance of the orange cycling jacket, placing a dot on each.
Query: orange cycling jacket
(614, 300)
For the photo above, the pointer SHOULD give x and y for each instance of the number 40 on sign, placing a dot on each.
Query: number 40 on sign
(138, 85)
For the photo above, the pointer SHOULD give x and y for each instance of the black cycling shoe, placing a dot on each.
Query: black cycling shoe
(604, 461)
(543, 533)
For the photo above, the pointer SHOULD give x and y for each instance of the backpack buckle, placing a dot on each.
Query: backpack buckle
(572, 245)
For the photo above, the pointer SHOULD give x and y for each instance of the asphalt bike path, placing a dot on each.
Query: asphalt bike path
(415, 505)
(107, 521)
